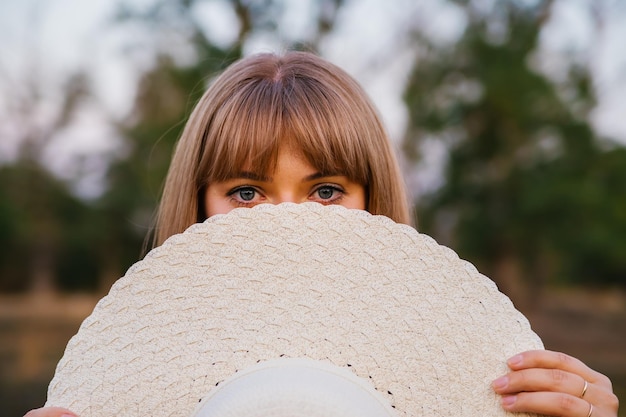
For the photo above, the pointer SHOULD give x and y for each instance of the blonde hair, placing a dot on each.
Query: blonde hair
(265, 101)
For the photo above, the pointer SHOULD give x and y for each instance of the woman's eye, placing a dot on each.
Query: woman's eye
(328, 192)
(246, 194)
(243, 194)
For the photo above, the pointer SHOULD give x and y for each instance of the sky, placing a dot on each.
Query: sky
(48, 39)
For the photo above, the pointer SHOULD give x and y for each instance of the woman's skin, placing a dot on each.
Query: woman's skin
(542, 382)
(294, 180)
(50, 412)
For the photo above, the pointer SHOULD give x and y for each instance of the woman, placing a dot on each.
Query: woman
(296, 128)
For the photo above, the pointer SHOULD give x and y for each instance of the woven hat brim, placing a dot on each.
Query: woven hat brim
(326, 283)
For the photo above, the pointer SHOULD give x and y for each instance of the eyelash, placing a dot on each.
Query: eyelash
(231, 194)
(338, 194)
(336, 190)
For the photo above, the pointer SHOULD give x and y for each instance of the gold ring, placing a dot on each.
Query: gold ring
(590, 410)
(582, 394)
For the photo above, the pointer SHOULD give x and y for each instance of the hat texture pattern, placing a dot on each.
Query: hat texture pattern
(297, 281)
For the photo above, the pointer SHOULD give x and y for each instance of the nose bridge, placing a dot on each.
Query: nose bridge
(287, 195)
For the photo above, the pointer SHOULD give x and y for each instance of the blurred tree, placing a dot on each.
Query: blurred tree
(39, 216)
(529, 191)
(58, 241)
(46, 233)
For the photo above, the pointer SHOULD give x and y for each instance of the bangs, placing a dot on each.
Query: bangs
(246, 132)
(285, 109)
(324, 127)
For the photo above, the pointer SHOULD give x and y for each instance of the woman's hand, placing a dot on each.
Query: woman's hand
(50, 412)
(555, 384)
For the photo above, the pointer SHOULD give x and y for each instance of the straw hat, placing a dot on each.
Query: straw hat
(340, 288)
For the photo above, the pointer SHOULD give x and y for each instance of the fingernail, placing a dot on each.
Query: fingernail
(515, 360)
(67, 415)
(508, 401)
(500, 383)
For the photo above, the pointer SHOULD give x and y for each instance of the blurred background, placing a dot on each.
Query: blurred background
(508, 117)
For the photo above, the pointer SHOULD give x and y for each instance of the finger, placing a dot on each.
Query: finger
(548, 403)
(50, 412)
(538, 379)
(556, 360)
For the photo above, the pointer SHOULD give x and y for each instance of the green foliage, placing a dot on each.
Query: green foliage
(44, 229)
(526, 179)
